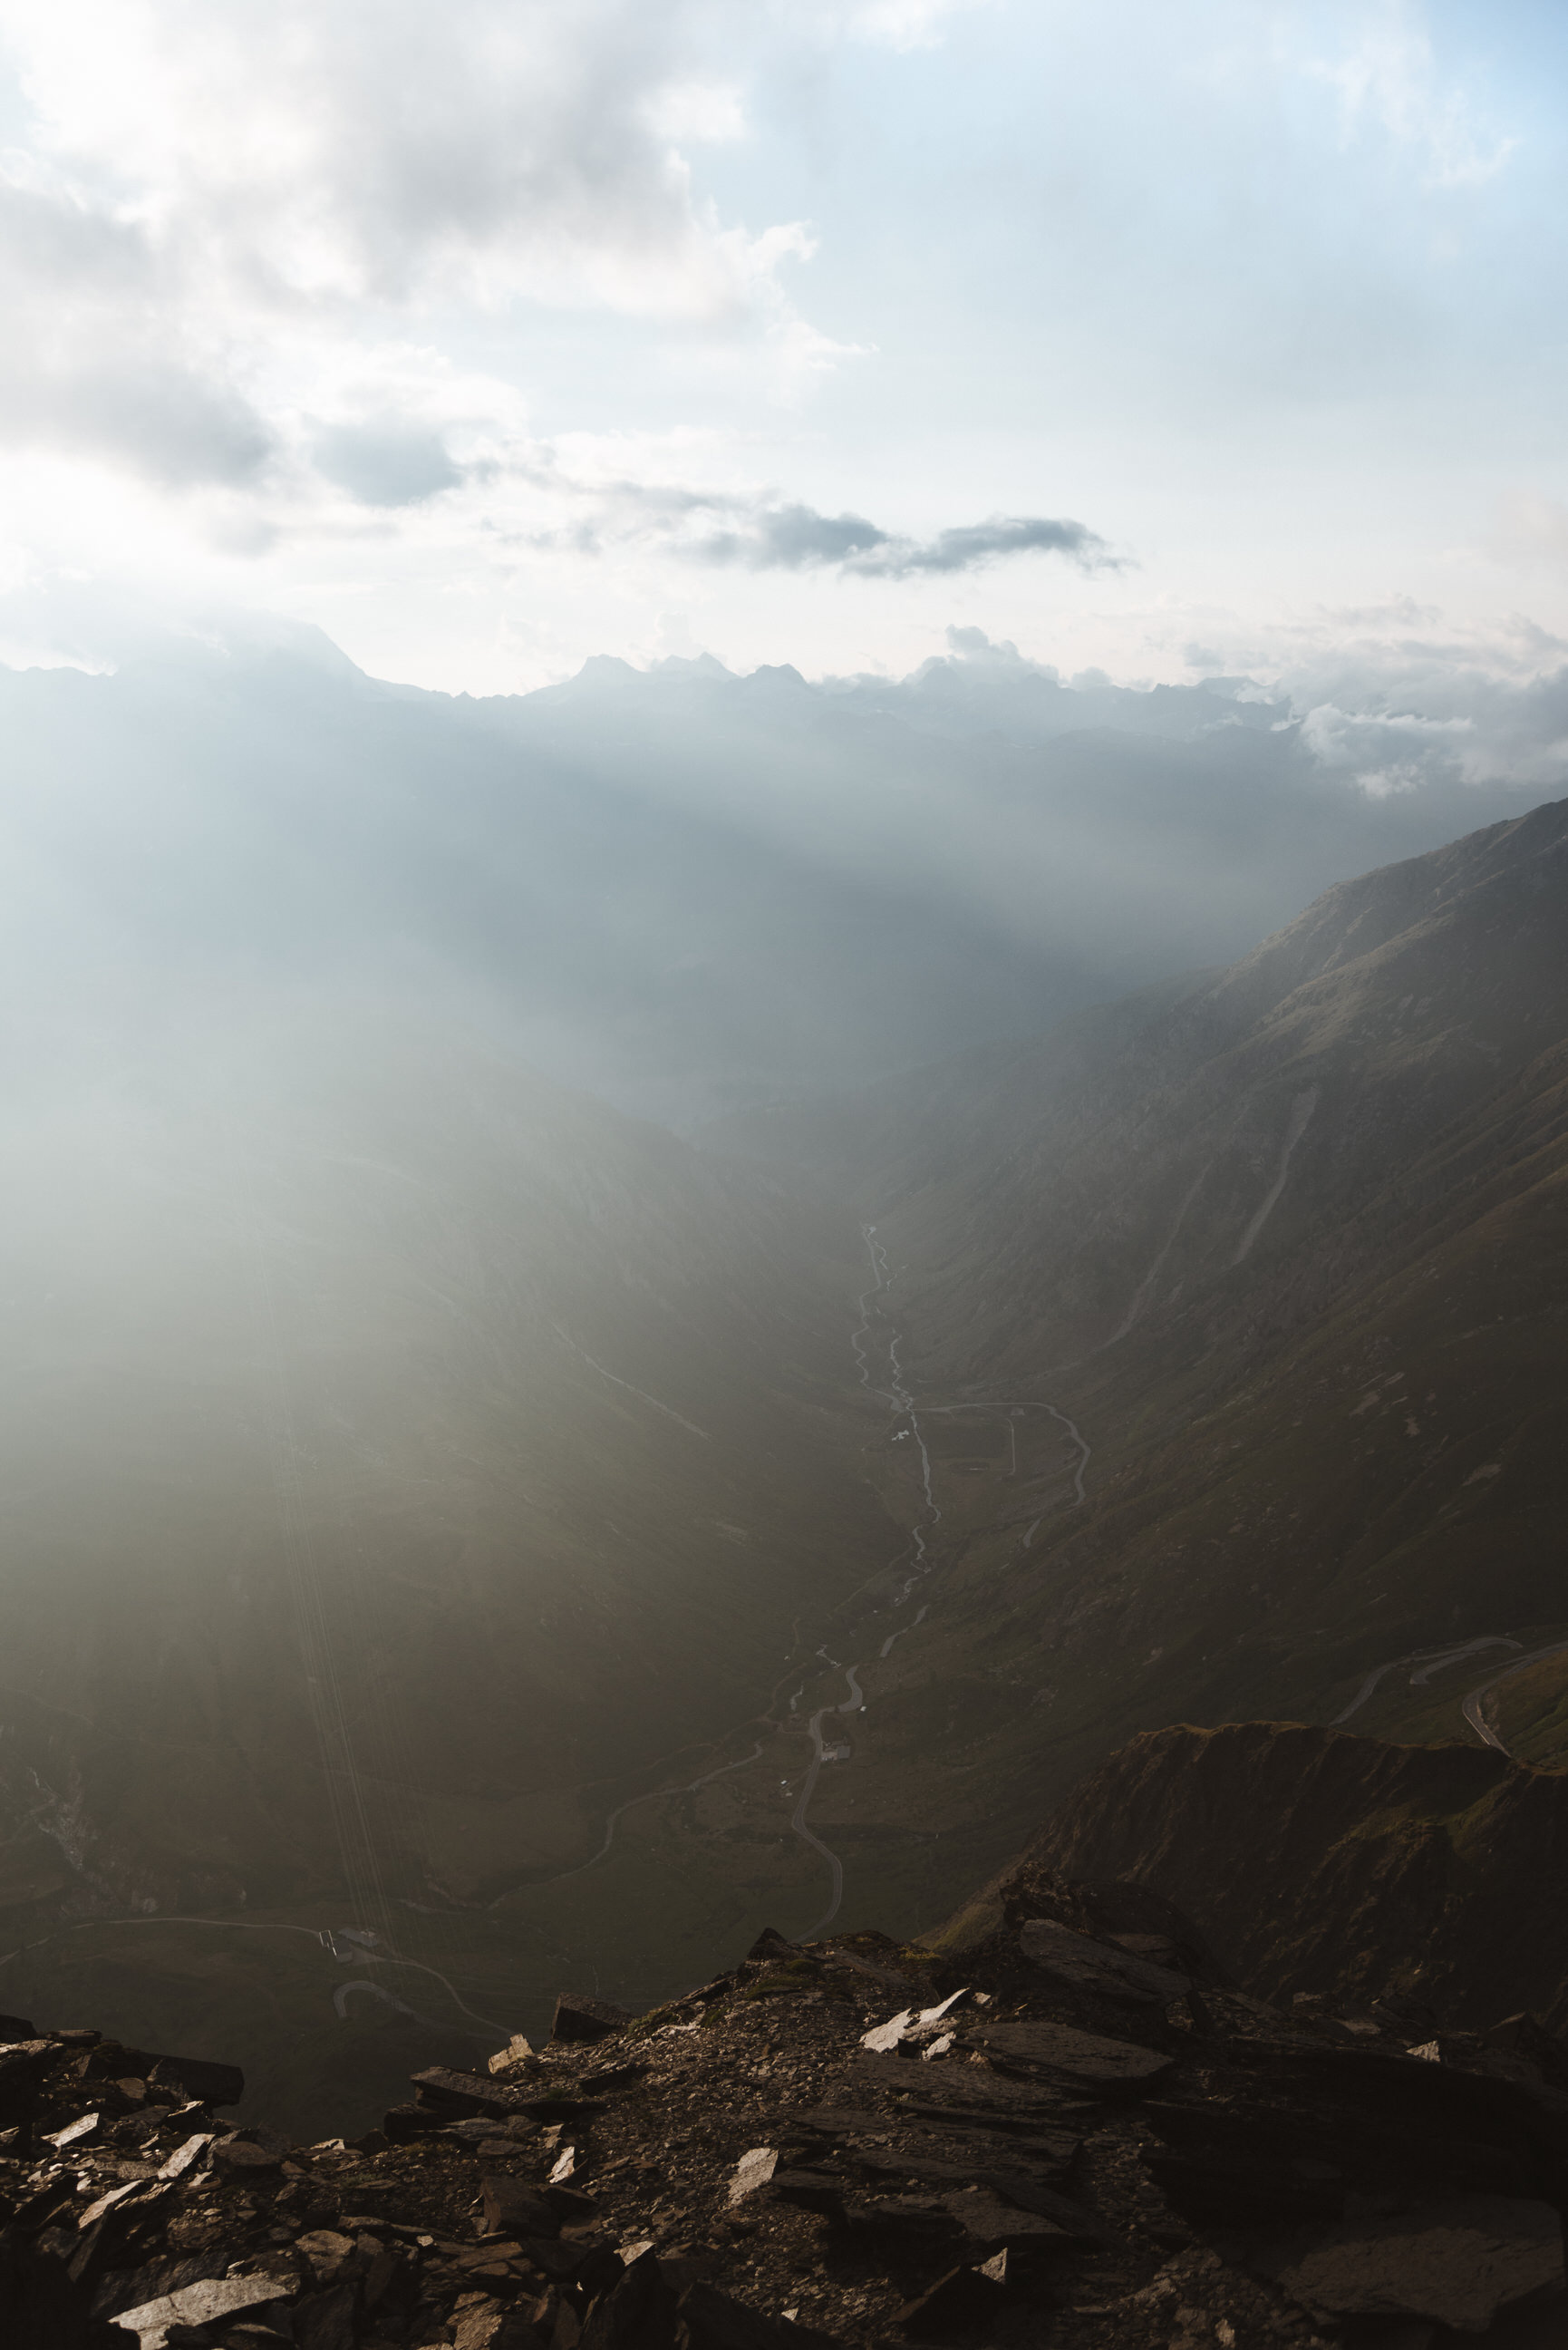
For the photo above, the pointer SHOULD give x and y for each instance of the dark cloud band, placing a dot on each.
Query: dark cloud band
(796, 539)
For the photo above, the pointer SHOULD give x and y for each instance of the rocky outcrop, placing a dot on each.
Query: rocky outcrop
(1319, 1862)
(1078, 2131)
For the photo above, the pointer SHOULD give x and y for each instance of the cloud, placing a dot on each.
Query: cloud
(388, 464)
(207, 208)
(1390, 79)
(1395, 697)
(322, 151)
(93, 361)
(759, 532)
(797, 537)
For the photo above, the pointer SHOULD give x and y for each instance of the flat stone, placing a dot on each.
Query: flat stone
(1013, 2185)
(715, 2321)
(326, 2251)
(1081, 2062)
(577, 2017)
(573, 2206)
(325, 2321)
(755, 2169)
(813, 2191)
(240, 2155)
(991, 2223)
(965, 2301)
(883, 2037)
(1457, 2263)
(514, 2208)
(925, 2218)
(959, 2092)
(185, 2154)
(83, 2126)
(402, 2124)
(458, 2096)
(487, 2325)
(202, 2304)
(1082, 1964)
(637, 2312)
(606, 2077)
(197, 2079)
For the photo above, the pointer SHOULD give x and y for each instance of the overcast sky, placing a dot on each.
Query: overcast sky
(497, 333)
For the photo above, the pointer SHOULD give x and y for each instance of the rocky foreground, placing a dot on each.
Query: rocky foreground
(1076, 2132)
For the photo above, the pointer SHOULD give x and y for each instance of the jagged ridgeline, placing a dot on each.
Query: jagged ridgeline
(463, 1536)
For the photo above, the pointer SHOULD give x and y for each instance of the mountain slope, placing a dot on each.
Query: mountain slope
(1287, 1246)
(1319, 1862)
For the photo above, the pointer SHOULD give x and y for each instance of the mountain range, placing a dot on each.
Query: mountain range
(465, 1533)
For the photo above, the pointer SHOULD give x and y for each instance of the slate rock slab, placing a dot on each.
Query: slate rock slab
(962, 2303)
(203, 2305)
(989, 2223)
(463, 2094)
(712, 2320)
(1457, 2263)
(1082, 1964)
(964, 2095)
(1084, 2063)
(197, 2078)
(516, 2208)
(577, 2017)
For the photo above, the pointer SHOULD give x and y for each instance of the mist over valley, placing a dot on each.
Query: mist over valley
(783, 1150)
(540, 1233)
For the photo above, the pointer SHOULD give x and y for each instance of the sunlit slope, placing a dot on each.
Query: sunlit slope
(1289, 1243)
(1050, 1199)
(398, 1452)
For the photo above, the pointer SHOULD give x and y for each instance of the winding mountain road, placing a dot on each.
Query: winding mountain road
(797, 1817)
(1431, 1659)
(1474, 1705)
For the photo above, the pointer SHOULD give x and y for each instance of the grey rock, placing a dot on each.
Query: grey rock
(1457, 2263)
(325, 2321)
(241, 2157)
(458, 2096)
(1085, 1965)
(712, 2320)
(637, 2314)
(1083, 2062)
(962, 2303)
(577, 2017)
(203, 2304)
(516, 2208)
(989, 2223)
(197, 2079)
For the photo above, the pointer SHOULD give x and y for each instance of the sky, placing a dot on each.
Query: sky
(1164, 342)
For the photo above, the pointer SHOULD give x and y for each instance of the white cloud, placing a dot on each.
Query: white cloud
(1390, 79)
(330, 151)
(216, 209)
(100, 356)
(897, 23)
(225, 220)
